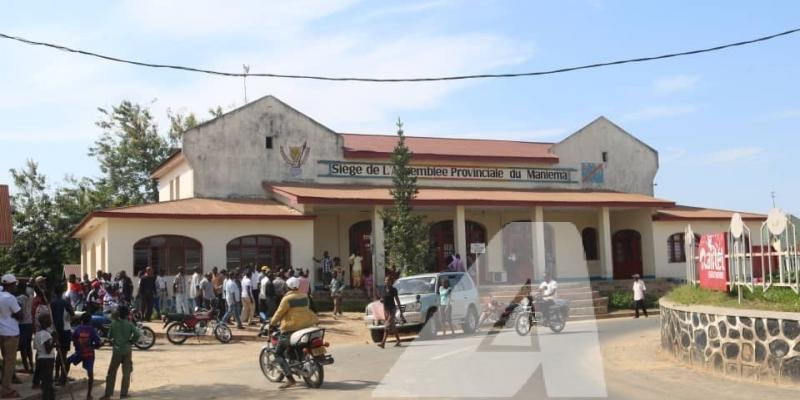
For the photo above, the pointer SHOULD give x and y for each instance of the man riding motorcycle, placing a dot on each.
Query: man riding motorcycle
(292, 314)
(549, 289)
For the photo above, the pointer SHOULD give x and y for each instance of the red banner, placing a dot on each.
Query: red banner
(712, 264)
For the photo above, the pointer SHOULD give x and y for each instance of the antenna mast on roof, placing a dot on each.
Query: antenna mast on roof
(773, 198)
(246, 69)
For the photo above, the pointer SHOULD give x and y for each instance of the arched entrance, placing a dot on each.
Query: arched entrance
(627, 254)
(361, 244)
(442, 242)
(518, 260)
(167, 253)
(257, 250)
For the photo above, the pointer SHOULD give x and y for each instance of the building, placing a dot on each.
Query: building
(6, 232)
(266, 184)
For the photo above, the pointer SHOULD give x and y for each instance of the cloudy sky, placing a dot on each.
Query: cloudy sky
(725, 124)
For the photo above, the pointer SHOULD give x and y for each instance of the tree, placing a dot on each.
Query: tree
(128, 150)
(406, 234)
(40, 243)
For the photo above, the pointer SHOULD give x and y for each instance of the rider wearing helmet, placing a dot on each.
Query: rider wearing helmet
(292, 314)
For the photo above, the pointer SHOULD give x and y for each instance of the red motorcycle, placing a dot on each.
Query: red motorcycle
(181, 326)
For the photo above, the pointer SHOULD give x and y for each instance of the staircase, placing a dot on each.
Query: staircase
(585, 303)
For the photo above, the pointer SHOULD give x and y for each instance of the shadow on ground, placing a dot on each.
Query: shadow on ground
(181, 392)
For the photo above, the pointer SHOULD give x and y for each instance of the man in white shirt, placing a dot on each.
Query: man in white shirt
(162, 293)
(549, 290)
(194, 289)
(247, 299)
(10, 315)
(233, 296)
(639, 291)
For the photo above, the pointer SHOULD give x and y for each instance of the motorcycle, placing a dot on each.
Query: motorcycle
(102, 324)
(306, 355)
(180, 327)
(526, 315)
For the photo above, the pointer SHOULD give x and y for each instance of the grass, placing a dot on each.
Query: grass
(774, 299)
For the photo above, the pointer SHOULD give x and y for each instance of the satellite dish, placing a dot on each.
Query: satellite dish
(776, 221)
(737, 226)
(689, 234)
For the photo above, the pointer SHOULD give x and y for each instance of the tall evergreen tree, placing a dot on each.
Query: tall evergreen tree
(406, 236)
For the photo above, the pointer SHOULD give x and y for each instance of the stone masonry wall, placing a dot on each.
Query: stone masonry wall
(761, 345)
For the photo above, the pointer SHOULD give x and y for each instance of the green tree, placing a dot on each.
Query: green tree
(406, 235)
(128, 150)
(40, 243)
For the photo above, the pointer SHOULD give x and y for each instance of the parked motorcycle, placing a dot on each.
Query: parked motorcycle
(180, 327)
(526, 315)
(102, 324)
(306, 355)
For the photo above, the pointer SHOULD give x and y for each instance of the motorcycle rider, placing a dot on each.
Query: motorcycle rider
(549, 289)
(292, 314)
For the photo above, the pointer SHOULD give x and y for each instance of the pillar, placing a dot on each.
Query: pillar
(604, 242)
(460, 233)
(537, 235)
(378, 249)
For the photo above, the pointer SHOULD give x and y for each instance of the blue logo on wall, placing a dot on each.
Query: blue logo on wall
(592, 173)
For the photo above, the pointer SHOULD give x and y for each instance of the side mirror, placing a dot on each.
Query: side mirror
(418, 297)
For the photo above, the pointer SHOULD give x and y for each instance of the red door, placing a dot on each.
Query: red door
(442, 244)
(361, 243)
(627, 254)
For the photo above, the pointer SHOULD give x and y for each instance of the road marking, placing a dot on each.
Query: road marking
(452, 353)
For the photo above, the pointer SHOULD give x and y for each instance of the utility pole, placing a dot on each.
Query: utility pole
(246, 69)
(773, 198)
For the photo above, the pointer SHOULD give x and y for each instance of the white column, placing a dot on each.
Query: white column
(460, 233)
(378, 250)
(537, 234)
(604, 242)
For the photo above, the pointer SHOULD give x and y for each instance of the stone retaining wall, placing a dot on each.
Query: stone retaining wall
(754, 344)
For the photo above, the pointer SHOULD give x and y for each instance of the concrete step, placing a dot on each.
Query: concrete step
(587, 311)
(568, 296)
(560, 292)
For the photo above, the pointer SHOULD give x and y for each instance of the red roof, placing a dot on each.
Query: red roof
(335, 194)
(6, 234)
(684, 213)
(200, 208)
(428, 148)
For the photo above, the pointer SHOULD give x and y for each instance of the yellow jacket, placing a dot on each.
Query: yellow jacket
(293, 312)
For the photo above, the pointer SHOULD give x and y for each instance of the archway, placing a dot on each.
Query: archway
(518, 259)
(167, 253)
(257, 250)
(442, 242)
(627, 254)
(361, 243)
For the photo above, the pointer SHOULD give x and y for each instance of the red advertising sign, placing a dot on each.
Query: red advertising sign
(711, 263)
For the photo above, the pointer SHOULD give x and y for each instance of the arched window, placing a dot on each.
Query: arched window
(258, 250)
(589, 237)
(167, 253)
(676, 248)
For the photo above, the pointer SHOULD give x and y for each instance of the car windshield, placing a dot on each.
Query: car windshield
(415, 285)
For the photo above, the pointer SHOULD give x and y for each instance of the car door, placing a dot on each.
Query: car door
(457, 295)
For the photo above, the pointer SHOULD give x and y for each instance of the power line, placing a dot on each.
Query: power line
(391, 80)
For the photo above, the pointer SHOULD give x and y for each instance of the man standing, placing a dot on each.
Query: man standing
(122, 334)
(179, 288)
(194, 290)
(207, 291)
(233, 297)
(162, 293)
(279, 285)
(127, 287)
(147, 293)
(10, 315)
(247, 299)
(327, 267)
(256, 280)
(217, 282)
(639, 291)
(355, 269)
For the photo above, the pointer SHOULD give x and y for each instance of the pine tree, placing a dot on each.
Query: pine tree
(406, 234)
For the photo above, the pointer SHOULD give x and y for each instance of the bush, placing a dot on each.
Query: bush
(623, 300)
(774, 299)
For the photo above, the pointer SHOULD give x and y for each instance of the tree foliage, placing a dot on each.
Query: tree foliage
(406, 235)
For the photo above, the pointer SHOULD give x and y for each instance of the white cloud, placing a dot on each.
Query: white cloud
(676, 83)
(785, 114)
(656, 112)
(733, 154)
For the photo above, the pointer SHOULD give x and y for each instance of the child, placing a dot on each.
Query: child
(123, 334)
(86, 340)
(45, 356)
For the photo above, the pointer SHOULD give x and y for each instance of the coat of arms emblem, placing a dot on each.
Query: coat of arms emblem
(295, 157)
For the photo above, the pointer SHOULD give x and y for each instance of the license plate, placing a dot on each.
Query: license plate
(318, 351)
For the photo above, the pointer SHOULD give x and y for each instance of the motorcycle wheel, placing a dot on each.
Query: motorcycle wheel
(147, 338)
(376, 334)
(269, 367)
(172, 335)
(523, 324)
(317, 376)
(557, 322)
(223, 333)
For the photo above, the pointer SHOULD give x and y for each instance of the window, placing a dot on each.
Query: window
(589, 236)
(177, 188)
(257, 250)
(269, 142)
(675, 248)
(167, 253)
(605, 156)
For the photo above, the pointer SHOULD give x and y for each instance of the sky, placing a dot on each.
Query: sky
(725, 124)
